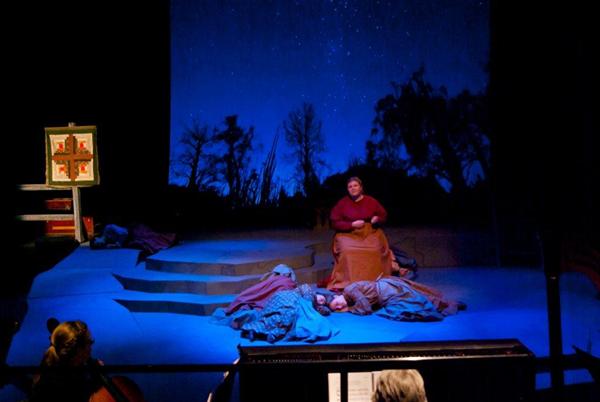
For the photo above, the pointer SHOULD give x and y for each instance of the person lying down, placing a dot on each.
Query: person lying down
(395, 298)
(277, 308)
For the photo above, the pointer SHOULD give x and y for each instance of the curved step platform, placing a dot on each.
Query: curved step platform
(231, 257)
(160, 282)
(197, 277)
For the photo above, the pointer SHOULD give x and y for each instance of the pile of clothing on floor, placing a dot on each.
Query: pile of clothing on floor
(137, 236)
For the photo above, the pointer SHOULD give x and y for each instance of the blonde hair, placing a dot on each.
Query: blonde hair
(399, 386)
(66, 341)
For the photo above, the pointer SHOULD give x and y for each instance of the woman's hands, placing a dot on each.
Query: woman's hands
(358, 224)
(361, 222)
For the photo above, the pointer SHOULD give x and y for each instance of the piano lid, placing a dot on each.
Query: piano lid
(430, 350)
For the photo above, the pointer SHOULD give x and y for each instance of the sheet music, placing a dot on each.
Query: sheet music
(360, 386)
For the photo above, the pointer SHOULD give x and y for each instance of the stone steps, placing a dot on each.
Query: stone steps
(232, 257)
(160, 282)
(200, 276)
(179, 303)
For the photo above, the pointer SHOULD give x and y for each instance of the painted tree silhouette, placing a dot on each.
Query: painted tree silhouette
(422, 130)
(268, 170)
(233, 164)
(194, 163)
(303, 133)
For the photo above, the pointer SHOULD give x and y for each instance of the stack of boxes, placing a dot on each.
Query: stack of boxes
(65, 227)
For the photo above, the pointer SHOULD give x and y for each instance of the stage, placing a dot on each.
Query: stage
(158, 311)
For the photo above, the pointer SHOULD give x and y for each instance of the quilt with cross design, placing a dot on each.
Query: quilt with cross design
(71, 156)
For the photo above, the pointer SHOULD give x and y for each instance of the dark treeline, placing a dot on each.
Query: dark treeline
(410, 200)
(427, 161)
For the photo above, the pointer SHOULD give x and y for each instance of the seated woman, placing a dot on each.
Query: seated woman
(360, 248)
(70, 349)
(69, 373)
(395, 298)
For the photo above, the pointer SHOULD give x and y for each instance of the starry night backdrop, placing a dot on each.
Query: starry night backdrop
(149, 71)
(262, 59)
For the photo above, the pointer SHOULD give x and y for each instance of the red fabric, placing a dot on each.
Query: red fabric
(322, 283)
(363, 254)
(347, 210)
(256, 296)
(149, 241)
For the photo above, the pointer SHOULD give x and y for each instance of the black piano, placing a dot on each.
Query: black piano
(498, 370)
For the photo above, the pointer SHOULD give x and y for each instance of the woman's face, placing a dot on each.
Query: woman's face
(354, 189)
(338, 303)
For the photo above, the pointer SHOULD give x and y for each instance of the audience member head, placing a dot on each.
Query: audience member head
(70, 345)
(399, 386)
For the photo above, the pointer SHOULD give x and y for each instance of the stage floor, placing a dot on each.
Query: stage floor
(507, 302)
